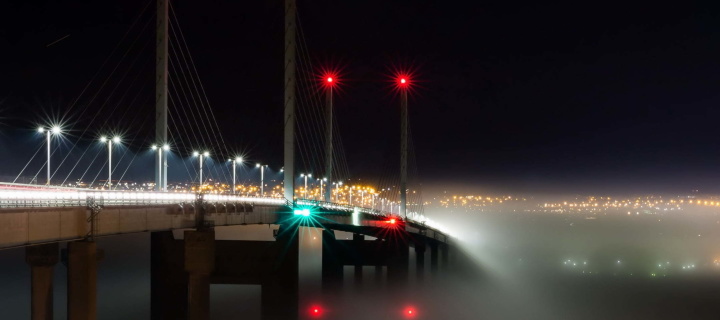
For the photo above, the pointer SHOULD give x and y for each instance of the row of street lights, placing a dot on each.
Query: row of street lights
(57, 130)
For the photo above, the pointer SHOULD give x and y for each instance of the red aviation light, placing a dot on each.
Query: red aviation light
(402, 81)
(330, 79)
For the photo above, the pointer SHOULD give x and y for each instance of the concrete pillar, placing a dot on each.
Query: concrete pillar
(82, 280)
(397, 262)
(42, 259)
(280, 286)
(420, 247)
(433, 257)
(357, 244)
(445, 255)
(199, 264)
(332, 269)
(168, 279)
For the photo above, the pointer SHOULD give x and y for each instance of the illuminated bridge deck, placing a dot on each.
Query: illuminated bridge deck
(33, 216)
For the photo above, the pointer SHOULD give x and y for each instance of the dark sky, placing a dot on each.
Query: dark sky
(514, 96)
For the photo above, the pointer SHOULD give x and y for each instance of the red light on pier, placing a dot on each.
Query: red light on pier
(392, 221)
(410, 313)
(316, 312)
(329, 79)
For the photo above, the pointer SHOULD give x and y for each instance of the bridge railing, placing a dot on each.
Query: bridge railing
(73, 198)
(343, 207)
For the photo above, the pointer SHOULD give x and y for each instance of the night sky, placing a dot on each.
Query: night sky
(572, 97)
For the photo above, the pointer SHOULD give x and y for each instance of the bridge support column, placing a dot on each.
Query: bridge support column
(42, 259)
(445, 255)
(280, 287)
(397, 262)
(420, 247)
(82, 261)
(433, 257)
(332, 269)
(358, 240)
(199, 263)
(168, 279)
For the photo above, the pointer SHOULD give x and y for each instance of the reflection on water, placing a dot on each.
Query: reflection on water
(528, 267)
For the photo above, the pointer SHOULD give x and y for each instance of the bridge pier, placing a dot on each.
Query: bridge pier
(199, 264)
(445, 255)
(397, 262)
(420, 247)
(433, 257)
(82, 258)
(332, 268)
(168, 279)
(42, 259)
(280, 286)
(358, 240)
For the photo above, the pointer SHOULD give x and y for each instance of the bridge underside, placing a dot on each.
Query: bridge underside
(28, 226)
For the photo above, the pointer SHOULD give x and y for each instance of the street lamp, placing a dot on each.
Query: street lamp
(50, 131)
(162, 186)
(110, 142)
(262, 178)
(201, 155)
(234, 165)
(337, 190)
(306, 176)
(350, 192)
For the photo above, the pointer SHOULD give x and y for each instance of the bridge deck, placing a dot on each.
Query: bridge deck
(39, 216)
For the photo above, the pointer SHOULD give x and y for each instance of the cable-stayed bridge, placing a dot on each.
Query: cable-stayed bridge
(39, 216)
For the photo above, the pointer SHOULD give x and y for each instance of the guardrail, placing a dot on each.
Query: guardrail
(73, 198)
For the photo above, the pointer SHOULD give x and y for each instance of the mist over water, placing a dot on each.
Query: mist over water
(508, 264)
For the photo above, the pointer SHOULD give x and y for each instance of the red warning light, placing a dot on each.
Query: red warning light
(403, 81)
(410, 313)
(316, 312)
(329, 79)
(392, 221)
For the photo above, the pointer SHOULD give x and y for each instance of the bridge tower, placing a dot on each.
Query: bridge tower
(403, 146)
(161, 93)
(329, 134)
(289, 141)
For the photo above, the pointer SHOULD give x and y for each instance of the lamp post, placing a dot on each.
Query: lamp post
(109, 142)
(337, 190)
(350, 192)
(262, 178)
(234, 165)
(306, 176)
(165, 147)
(50, 131)
(202, 156)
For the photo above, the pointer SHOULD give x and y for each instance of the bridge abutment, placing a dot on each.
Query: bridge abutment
(42, 260)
